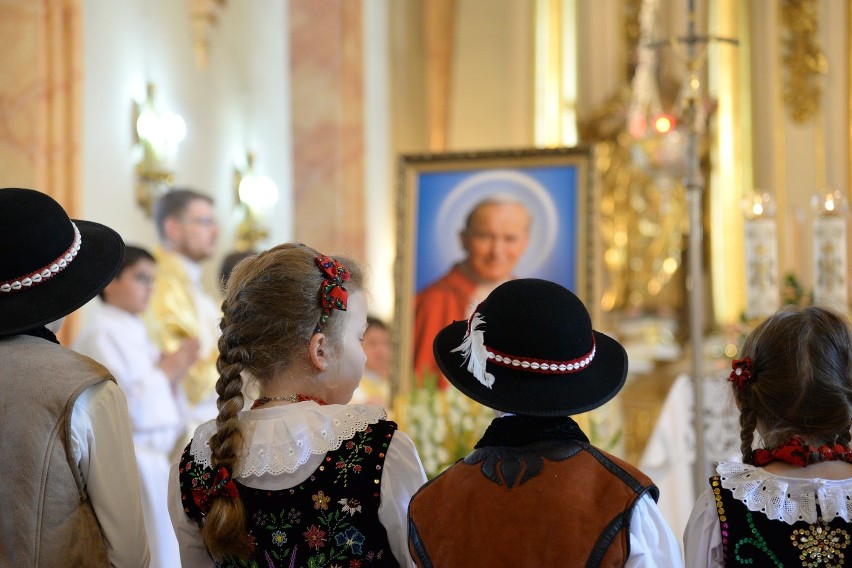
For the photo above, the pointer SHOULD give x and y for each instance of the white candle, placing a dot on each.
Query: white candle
(829, 252)
(829, 256)
(763, 290)
(763, 295)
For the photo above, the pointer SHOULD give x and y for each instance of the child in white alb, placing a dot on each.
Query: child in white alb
(116, 337)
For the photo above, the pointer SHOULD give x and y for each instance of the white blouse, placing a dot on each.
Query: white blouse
(101, 446)
(652, 543)
(787, 499)
(284, 446)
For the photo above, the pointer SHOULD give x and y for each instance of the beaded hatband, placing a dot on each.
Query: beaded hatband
(44, 273)
(542, 365)
(476, 354)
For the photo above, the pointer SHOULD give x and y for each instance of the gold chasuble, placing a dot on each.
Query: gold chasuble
(174, 314)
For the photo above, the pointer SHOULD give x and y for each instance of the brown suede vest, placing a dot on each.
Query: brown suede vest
(546, 504)
(45, 515)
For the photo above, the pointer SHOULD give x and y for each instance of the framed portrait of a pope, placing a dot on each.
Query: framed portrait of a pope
(467, 222)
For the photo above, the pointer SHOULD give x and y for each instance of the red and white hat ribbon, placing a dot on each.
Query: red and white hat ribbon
(477, 354)
(44, 273)
(474, 351)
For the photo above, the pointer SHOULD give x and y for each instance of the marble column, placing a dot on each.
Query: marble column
(40, 101)
(326, 69)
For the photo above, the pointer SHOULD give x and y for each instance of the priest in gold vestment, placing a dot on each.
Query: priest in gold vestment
(180, 308)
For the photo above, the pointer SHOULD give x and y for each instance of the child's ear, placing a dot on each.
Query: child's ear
(110, 288)
(317, 352)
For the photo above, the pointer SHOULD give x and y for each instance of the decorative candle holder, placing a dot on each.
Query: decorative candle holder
(829, 252)
(763, 295)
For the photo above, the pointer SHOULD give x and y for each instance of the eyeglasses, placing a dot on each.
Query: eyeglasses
(143, 279)
(203, 221)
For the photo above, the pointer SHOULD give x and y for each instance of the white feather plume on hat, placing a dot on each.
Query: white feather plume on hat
(474, 352)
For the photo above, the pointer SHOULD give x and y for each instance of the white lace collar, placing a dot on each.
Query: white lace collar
(787, 499)
(279, 439)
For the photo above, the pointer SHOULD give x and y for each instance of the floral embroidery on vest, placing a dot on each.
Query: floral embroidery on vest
(330, 520)
(752, 539)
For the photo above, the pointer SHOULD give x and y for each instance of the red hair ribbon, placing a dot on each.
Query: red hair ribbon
(223, 486)
(741, 372)
(333, 296)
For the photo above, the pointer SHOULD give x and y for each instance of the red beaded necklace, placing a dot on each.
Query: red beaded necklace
(288, 397)
(797, 453)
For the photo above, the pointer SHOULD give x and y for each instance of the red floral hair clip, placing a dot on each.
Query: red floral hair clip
(741, 372)
(333, 296)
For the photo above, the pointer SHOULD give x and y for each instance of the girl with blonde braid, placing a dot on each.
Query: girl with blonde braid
(789, 502)
(302, 478)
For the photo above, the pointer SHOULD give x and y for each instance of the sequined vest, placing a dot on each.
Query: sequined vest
(750, 538)
(553, 501)
(330, 518)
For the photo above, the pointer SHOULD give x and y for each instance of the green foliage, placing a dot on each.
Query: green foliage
(793, 293)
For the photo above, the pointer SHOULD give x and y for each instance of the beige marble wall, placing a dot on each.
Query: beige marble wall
(489, 78)
(40, 97)
(326, 74)
(40, 90)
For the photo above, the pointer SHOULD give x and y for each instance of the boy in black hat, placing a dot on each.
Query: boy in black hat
(70, 489)
(534, 492)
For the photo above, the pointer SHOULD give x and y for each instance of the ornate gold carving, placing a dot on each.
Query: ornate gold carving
(804, 60)
(632, 31)
(643, 223)
(203, 15)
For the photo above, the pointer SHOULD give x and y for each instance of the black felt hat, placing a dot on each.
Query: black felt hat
(48, 268)
(529, 348)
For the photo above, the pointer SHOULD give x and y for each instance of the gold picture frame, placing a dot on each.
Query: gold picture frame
(436, 192)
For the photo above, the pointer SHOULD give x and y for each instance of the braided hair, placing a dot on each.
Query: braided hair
(801, 380)
(269, 313)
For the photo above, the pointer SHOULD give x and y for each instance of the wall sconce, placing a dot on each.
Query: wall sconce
(159, 134)
(203, 16)
(255, 196)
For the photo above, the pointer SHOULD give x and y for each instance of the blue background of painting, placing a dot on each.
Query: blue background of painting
(559, 181)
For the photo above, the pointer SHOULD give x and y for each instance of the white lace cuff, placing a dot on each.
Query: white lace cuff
(785, 498)
(280, 439)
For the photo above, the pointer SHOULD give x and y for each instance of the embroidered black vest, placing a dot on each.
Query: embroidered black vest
(750, 538)
(329, 519)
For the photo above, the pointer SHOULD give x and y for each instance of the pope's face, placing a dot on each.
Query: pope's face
(496, 238)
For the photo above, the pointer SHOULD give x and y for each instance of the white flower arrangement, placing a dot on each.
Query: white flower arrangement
(444, 423)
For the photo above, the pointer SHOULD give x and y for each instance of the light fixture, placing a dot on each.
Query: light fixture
(255, 196)
(758, 205)
(203, 16)
(158, 134)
